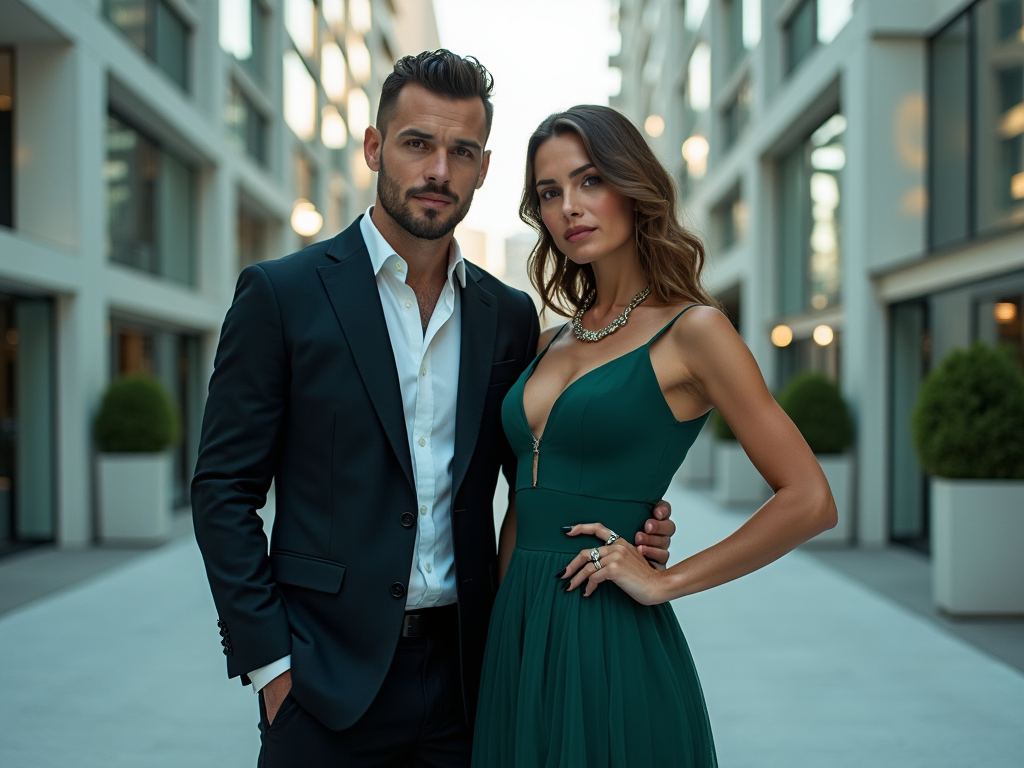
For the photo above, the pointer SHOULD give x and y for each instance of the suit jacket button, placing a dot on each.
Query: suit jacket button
(398, 590)
(407, 519)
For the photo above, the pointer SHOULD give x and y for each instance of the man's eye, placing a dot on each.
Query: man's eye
(415, 143)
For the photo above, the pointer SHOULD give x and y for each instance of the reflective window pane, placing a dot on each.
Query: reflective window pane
(6, 139)
(246, 126)
(242, 33)
(949, 135)
(174, 220)
(801, 34)
(154, 28)
(999, 89)
(301, 22)
(736, 116)
(299, 97)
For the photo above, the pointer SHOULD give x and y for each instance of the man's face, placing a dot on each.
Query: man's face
(431, 161)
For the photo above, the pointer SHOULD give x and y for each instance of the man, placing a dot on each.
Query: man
(365, 374)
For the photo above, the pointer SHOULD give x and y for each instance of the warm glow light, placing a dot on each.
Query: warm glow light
(333, 131)
(358, 58)
(1012, 123)
(359, 15)
(654, 125)
(334, 14)
(236, 28)
(362, 176)
(299, 97)
(695, 152)
(1017, 186)
(830, 158)
(332, 73)
(306, 221)
(823, 335)
(782, 335)
(1005, 312)
(358, 112)
(300, 21)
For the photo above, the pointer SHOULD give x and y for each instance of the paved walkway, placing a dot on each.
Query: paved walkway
(801, 666)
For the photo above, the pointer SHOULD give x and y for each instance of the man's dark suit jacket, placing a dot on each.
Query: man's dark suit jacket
(305, 391)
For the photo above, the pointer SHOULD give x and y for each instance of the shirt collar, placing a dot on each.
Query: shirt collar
(382, 254)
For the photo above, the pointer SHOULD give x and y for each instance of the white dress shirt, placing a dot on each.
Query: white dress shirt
(428, 373)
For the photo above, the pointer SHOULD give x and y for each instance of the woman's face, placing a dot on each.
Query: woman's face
(586, 217)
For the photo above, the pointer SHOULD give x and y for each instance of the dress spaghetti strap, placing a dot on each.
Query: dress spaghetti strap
(671, 323)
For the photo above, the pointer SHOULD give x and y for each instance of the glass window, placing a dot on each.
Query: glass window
(809, 229)
(358, 58)
(698, 78)
(149, 205)
(949, 216)
(299, 97)
(252, 239)
(976, 123)
(157, 30)
(729, 219)
(242, 33)
(743, 18)
(6, 139)
(736, 115)
(246, 126)
(333, 75)
(300, 19)
(999, 88)
(800, 32)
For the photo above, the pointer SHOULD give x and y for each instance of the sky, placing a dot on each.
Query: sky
(545, 55)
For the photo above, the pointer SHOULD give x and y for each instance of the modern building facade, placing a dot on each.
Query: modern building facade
(149, 150)
(857, 170)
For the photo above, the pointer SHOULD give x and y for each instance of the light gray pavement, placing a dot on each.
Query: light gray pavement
(801, 666)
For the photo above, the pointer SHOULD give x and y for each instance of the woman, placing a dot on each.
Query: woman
(600, 422)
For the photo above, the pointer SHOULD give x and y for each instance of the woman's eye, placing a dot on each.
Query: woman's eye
(591, 181)
(548, 194)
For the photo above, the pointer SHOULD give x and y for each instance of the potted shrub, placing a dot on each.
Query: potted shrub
(815, 405)
(136, 425)
(737, 482)
(968, 431)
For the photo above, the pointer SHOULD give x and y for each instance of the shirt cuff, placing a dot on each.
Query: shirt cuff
(260, 677)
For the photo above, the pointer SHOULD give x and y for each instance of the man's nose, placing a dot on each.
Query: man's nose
(438, 170)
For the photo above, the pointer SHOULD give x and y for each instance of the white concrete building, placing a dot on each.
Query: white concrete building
(149, 149)
(853, 164)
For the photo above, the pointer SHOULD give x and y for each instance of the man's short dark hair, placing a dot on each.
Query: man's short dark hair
(441, 72)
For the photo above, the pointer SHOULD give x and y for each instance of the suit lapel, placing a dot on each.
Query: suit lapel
(352, 288)
(479, 326)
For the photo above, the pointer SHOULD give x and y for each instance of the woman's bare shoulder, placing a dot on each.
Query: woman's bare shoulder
(547, 335)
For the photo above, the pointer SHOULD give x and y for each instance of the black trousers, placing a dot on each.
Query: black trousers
(416, 721)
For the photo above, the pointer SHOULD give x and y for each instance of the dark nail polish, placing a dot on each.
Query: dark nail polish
(566, 528)
(561, 573)
(565, 588)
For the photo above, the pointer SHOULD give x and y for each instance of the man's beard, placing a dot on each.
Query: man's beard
(397, 206)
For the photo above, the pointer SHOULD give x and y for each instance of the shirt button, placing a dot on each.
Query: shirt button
(408, 303)
(422, 441)
(423, 370)
(407, 519)
(397, 590)
(428, 568)
(399, 267)
(423, 509)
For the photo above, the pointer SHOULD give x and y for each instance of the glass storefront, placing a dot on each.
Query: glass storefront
(175, 359)
(922, 332)
(26, 422)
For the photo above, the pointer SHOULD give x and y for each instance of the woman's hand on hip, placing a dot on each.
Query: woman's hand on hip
(620, 562)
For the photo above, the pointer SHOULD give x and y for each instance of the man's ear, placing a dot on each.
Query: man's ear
(483, 168)
(373, 144)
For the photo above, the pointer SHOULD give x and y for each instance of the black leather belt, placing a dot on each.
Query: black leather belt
(431, 622)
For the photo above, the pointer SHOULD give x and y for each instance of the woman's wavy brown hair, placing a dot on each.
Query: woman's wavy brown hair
(671, 257)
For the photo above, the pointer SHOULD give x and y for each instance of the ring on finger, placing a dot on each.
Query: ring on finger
(595, 555)
(612, 538)
(597, 565)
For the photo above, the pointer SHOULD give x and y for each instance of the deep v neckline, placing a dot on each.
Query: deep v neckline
(570, 385)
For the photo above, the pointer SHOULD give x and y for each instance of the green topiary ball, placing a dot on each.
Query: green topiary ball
(721, 427)
(137, 416)
(968, 421)
(815, 405)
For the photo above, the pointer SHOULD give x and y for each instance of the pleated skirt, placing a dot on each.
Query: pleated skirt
(595, 682)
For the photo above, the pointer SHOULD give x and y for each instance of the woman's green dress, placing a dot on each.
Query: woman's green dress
(601, 681)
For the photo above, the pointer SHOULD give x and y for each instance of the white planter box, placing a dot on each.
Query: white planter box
(838, 471)
(978, 545)
(696, 468)
(737, 483)
(135, 497)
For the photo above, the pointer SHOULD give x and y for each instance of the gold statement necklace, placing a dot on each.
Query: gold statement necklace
(584, 335)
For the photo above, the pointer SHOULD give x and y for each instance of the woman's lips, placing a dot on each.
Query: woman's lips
(575, 234)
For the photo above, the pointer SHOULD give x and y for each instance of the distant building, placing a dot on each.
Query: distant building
(149, 150)
(517, 250)
(857, 170)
